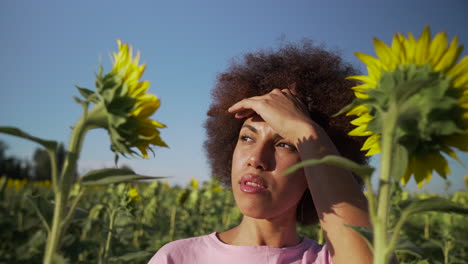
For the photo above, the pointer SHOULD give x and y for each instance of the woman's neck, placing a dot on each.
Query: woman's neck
(278, 232)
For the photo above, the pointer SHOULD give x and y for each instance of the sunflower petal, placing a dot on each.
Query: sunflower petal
(362, 120)
(407, 176)
(440, 164)
(373, 150)
(360, 131)
(399, 43)
(368, 60)
(422, 47)
(361, 95)
(373, 65)
(358, 110)
(452, 154)
(437, 48)
(362, 87)
(371, 142)
(460, 68)
(398, 49)
(410, 47)
(449, 58)
(461, 80)
(421, 171)
(363, 78)
(143, 151)
(389, 61)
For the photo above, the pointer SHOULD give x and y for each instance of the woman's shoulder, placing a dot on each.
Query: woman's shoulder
(186, 248)
(209, 249)
(187, 243)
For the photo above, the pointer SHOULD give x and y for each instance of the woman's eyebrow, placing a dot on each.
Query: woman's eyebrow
(276, 136)
(253, 129)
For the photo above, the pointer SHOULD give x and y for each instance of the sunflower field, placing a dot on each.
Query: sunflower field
(114, 215)
(129, 222)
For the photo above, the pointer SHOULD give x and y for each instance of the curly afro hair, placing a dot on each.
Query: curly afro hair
(319, 79)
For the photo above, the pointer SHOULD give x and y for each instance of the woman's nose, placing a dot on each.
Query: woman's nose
(260, 157)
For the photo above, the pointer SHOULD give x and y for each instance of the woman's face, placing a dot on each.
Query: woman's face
(260, 156)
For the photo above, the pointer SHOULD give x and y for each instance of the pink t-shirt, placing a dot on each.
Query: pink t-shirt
(209, 249)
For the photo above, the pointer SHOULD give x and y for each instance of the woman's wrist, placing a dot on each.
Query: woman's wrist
(312, 142)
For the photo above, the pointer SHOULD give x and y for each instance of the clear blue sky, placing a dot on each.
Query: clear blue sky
(49, 46)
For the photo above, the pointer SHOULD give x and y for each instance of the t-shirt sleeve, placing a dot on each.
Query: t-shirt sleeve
(161, 257)
(324, 255)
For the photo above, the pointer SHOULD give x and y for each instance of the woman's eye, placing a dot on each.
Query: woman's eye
(286, 145)
(245, 138)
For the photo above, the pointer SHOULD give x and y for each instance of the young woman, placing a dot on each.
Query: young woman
(270, 111)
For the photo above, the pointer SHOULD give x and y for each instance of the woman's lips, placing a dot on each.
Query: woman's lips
(251, 183)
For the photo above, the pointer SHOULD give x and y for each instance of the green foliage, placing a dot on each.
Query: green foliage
(167, 213)
(362, 171)
(437, 235)
(113, 175)
(48, 144)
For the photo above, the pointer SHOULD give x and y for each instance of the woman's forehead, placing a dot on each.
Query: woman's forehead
(254, 121)
(256, 124)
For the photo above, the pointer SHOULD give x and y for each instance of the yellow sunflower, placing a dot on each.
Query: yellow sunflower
(423, 78)
(134, 195)
(126, 107)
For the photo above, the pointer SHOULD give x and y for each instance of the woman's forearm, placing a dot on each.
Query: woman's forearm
(338, 200)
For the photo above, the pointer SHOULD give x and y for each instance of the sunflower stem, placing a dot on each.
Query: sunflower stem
(380, 224)
(54, 168)
(62, 192)
(109, 236)
(371, 198)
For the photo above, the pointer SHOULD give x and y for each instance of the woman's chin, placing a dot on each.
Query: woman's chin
(257, 212)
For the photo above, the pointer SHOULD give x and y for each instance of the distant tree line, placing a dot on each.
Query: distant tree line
(36, 170)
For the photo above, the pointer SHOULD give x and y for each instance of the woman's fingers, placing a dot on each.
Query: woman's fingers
(240, 106)
(244, 113)
(286, 91)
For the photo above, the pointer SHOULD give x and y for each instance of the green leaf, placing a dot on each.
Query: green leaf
(102, 173)
(43, 208)
(182, 197)
(362, 171)
(435, 204)
(95, 211)
(27, 251)
(121, 178)
(365, 232)
(432, 245)
(86, 93)
(406, 246)
(79, 101)
(113, 175)
(48, 144)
